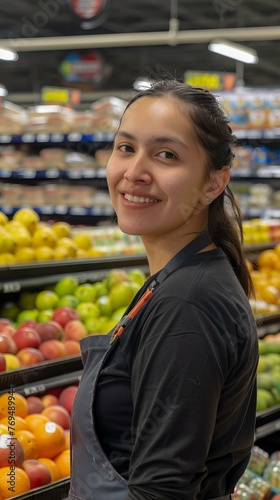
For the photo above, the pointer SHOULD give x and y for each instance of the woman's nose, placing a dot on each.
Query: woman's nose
(139, 169)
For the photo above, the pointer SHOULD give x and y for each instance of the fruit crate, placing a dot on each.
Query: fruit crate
(37, 378)
(55, 491)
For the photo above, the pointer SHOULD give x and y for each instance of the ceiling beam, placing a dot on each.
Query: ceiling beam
(171, 37)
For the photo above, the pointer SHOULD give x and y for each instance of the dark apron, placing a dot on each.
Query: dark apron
(92, 475)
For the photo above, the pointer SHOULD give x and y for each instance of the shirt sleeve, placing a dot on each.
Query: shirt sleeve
(177, 377)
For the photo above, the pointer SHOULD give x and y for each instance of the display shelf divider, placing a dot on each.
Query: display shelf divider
(54, 491)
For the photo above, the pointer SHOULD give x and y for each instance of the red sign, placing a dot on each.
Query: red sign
(87, 9)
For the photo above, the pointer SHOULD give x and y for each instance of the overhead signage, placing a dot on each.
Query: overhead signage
(86, 67)
(57, 95)
(210, 80)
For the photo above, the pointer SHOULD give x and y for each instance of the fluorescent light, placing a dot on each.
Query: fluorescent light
(142, 83)
(3, 90)
(234, 51)
(8, 55)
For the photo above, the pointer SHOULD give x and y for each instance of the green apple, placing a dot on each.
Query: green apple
(121, 295)
(104, 304)
(137, 275)
(118, 314)
(88, 310)
(47, 299)
(26, 315)
(85, 293)
(96, 325)
(9, 310)
(44, 315)
(100, 288)
(27, 300)
(66, 286)
(116, 276)
(68, 301)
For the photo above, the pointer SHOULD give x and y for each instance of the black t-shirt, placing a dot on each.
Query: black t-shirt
(176, 399)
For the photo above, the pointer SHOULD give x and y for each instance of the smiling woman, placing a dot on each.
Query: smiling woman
(166, 405)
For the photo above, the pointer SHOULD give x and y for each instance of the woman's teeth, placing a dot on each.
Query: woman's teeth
(139, 199)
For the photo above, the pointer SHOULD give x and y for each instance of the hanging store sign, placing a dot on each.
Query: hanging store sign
(210, 80)
(86, 67)
(87, 9)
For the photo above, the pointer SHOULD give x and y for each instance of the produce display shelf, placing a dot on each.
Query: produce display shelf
(267, 422)
(58, 210)
(15, 277)
(29, 138)
(54, 491)
(35, 379)
(53, 173)
(269, 133)
(268, 324)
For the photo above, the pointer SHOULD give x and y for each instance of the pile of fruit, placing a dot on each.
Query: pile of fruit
(48, 324)
(266, 278)
(268, 375)
(25, 238)
(34, 440)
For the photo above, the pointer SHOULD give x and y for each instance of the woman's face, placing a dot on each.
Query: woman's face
(157, 171)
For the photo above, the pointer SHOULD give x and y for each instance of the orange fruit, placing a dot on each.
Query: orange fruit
(63, 463)
(33, 420)
(67, 439)
(16, 479)
(16, 424)
(3, 429)
(29, 444)
(51, 465)
(268, 258)
(50, 438)
(13, 403)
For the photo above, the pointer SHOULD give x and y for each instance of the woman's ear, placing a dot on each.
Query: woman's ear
(219, 179)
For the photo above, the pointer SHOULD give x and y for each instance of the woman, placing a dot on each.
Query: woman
(167, 409)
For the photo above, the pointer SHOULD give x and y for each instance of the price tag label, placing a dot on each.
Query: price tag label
(43, 137)
(5, 138)
(74, 137)
(88, 173)
(34, 389)
(60, 209)
(53, 173)
(11, 286)
(57, 138)
(5, 173)
(28, 138)
(74, 174)
(78, 211)
(101, 173)
(47, 209)
(28, 174)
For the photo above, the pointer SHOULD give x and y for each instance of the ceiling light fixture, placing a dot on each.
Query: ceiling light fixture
(8, 55)
(234, 51)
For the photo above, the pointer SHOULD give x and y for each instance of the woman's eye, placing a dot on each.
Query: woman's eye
(167, 154)
(125, 148)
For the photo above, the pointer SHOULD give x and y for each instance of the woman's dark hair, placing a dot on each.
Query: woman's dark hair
(212, 129)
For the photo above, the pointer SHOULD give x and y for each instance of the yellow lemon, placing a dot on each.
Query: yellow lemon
(12, 362)
(7, 243)
(69, 244)
(61, 253)
(28, 217)
(82, 253)
(7, 258)
(3, 219)
(44, 253)
(24, 254)
(62, 229)
(44, 236)
(82, 240)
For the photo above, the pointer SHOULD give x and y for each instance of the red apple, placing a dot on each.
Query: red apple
(53, 349)
(49, 330)
(27, 336)
(49, 400)
(11, 451)
(2, 362)
(67, 396)
(35, 404)
(7, 327)
(58, 414)
(37, 472)
(74, 330)
(7, 344)
(28, 322)
(30, 356)
(72, 347)
(64, 314)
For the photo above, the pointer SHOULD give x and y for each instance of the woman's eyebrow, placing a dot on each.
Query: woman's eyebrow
(162, 138)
